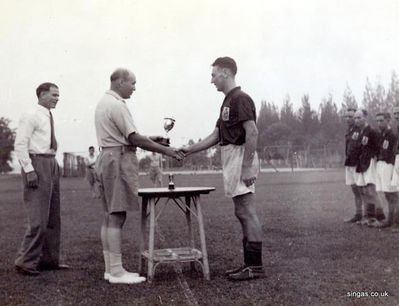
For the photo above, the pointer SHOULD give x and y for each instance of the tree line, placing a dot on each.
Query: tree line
(283, 126)
(325, 126)
(307, 128)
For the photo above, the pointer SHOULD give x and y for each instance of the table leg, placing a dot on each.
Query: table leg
(144, 204)
(150, 274)
(197, 203)
(190, 227)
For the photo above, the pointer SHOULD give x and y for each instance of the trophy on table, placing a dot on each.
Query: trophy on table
(171, 184)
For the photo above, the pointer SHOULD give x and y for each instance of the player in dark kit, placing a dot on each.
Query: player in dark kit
(237, 134)
(395, 175)
(366, 170)
(385, 165)
(352, 151)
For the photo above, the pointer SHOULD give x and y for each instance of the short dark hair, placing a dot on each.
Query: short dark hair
(385, 114)
(91, 147)
(44, 87)
(226, 62)
(120, 73)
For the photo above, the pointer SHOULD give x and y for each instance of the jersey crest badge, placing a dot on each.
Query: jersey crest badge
(365, 140)
(355, 136)
(385, 144)
(225, 113)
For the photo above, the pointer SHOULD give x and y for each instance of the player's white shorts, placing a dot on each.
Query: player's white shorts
(384, 177)
(368, 177)
(395, 174)
(232, 157)
(350, 175)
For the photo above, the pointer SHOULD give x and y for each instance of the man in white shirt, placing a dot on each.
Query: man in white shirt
(155, 171)
(117, 169)
(35, 148)
(90, 162)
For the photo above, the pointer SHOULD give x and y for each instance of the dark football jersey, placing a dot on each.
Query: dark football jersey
(352, 146)
(387, 147)
(237, 108)
(369, 148)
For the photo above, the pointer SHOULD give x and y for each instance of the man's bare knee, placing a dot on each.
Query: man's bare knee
(245, 207)
(356, 190)
(369, 191)
(117, 219)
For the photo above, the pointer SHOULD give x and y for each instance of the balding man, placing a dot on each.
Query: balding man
(366, 170)
(117, 169)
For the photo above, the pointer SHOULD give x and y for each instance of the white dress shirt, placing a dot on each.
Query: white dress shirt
(33, 136)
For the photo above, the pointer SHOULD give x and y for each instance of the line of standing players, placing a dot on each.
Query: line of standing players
(372, 166)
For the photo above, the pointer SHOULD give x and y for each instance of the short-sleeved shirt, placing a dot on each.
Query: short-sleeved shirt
(387, 148)
(113, 120)
(237, 108)
(352, 146)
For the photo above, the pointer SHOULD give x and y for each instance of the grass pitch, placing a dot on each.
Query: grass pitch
(311, 257)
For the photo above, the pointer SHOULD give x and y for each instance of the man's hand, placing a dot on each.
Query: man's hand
(184, 150)
(248, 176)
(175, 153)
(32, 179)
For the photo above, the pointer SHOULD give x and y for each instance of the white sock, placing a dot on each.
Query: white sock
(106, 261)
(115, 264)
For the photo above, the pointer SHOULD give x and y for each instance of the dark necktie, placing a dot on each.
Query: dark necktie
(53, 141)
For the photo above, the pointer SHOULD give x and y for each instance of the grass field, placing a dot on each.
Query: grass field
(311, 257)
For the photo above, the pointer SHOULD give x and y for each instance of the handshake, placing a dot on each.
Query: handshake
(177, 153)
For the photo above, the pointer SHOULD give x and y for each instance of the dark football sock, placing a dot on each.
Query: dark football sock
(370, 210)
(379, 214)
(254, 253)
(244, 247)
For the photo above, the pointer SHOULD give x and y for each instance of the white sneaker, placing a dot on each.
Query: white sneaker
(126, 279)
(107, 275)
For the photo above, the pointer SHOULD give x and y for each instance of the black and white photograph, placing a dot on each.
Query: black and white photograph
(199, 152)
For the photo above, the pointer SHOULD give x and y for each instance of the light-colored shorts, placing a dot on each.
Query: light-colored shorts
(155, 174)
(118, 176)
(384, 177)
(232, 157)
(367, 177)
(350, 175)
(395, 174)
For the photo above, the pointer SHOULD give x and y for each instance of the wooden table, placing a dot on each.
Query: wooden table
(188, 200)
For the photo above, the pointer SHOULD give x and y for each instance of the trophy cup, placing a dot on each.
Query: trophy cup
(167, 126)
(171, 185)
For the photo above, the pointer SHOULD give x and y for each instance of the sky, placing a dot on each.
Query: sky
(313, 47)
